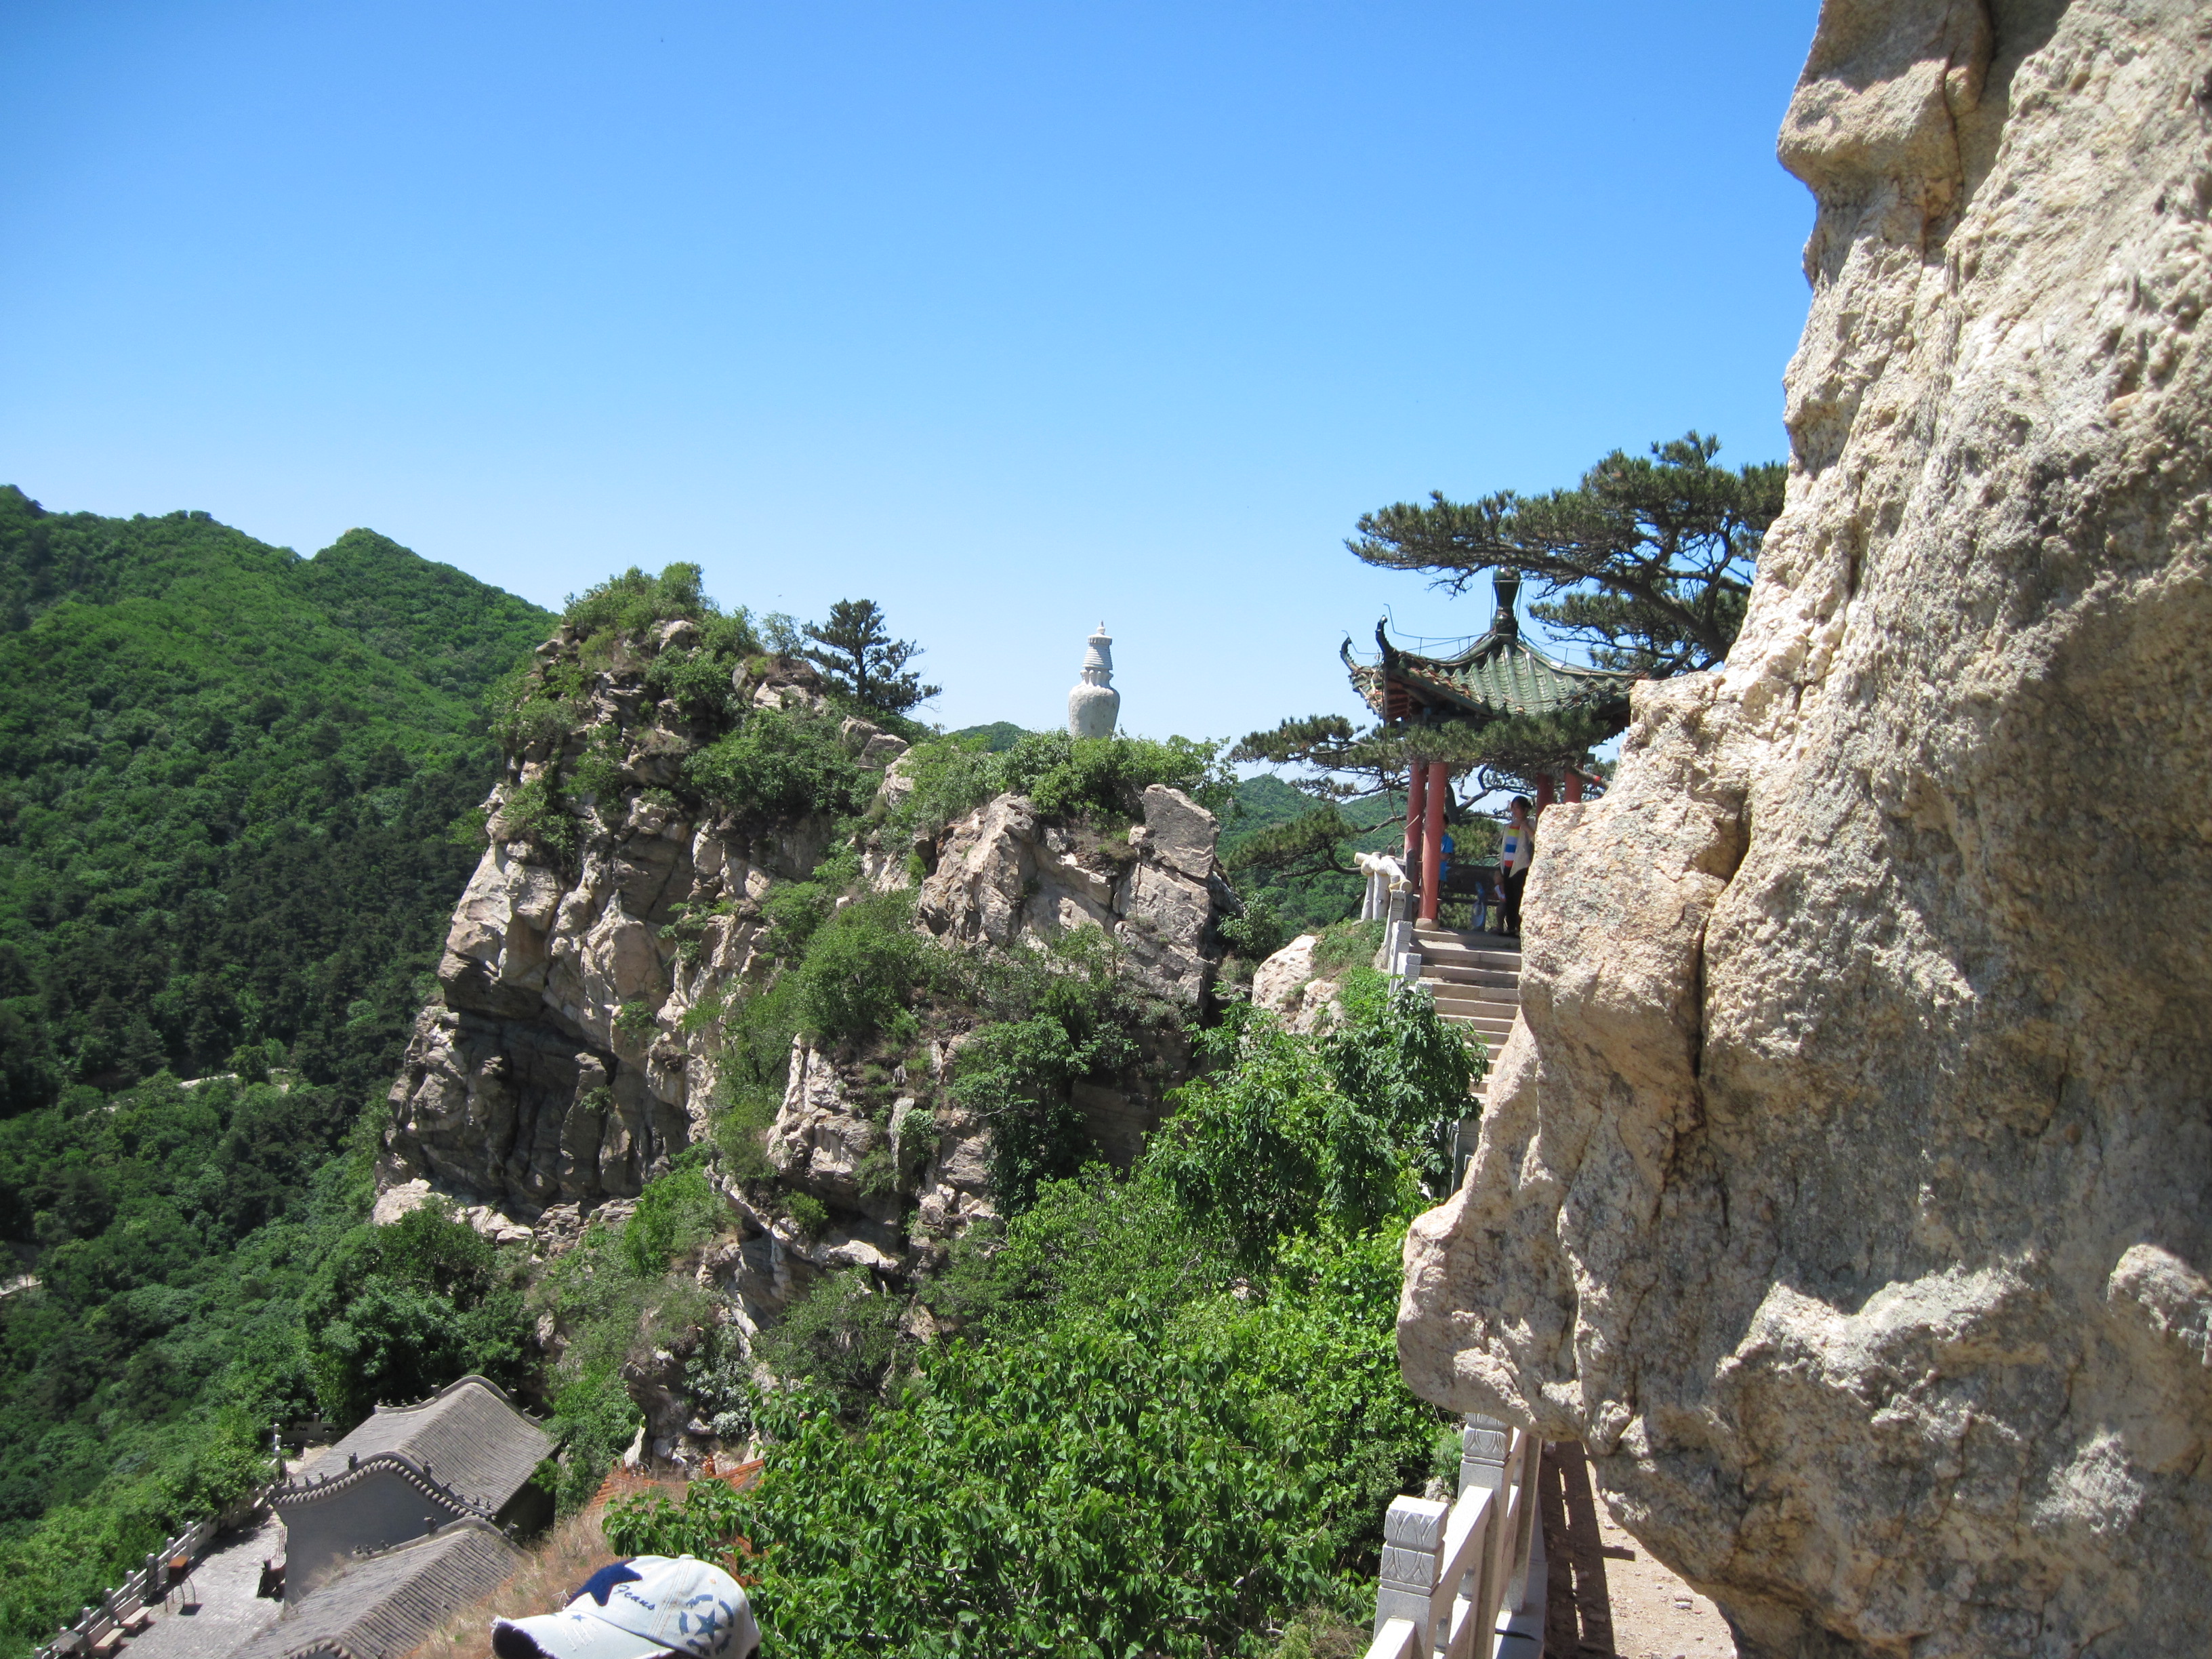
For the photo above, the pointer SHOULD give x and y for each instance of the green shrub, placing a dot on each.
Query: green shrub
(397, 1312)
(796, 908)
(611, 1311)
(862, 968)
(1149, 1476)
(842, 1336)
(741, 1117)
(535, 812)
(806, 1212)
(594, 1419)
(1064, 777)
(677, 1212)
(598, 772)
(1255, 935)
(1393, 1055)
(632, 602)
(1289, 1135)
(1346, 945)
(782, 765)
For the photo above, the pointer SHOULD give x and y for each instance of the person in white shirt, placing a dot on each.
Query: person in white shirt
(1514, 852)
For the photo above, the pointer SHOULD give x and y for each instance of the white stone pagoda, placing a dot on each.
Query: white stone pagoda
(1094, 706)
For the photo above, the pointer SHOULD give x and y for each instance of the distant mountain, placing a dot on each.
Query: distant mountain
(228, 775)
(997, 737)
(1310, 902)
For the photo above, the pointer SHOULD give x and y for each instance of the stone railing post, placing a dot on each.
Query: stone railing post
(1413, 1539)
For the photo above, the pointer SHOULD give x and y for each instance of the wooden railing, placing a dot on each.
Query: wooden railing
(1449, 1570)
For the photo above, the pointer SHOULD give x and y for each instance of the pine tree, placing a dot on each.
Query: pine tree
(1647, 561)
(858, 656)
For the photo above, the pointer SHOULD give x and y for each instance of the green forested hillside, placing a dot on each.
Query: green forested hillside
(225, 777)
(1304, 903)
(229, 779)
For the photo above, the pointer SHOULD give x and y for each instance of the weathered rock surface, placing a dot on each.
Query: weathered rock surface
(1844, 1186)
(1285, 986)
(560, 1068)
(1003, 879)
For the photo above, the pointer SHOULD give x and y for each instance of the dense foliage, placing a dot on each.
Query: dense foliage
(1101, 779)
(201, 1273)
(1647, 561)
(229, 784)
(227, 778)
(1294, 865)
(1147, 1436)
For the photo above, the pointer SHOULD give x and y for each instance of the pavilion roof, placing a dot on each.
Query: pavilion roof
(1498, 675)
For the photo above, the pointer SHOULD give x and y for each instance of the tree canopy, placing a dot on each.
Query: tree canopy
(228, 775)
(1647, 561)
(858, 656)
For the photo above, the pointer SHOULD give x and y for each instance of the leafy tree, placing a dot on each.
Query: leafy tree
(1648, 561)
(1289, 1135)
(858, 657)
(227, 778)
(397, 1312)
(1138, 1436)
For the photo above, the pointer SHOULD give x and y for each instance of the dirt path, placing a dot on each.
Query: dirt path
(1607, 1598)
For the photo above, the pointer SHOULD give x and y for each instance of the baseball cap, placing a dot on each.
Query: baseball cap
(632, 1609)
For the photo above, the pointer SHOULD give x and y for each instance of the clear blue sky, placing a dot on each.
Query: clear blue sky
(1010, 316)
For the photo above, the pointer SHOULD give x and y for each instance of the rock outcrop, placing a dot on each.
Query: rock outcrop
(1004, 879)
(1844, 1187)
(561, 1066)
(1287, 986)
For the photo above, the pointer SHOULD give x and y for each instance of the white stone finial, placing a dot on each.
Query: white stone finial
(1094, 706)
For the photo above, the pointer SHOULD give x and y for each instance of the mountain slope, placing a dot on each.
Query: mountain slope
(225, 777)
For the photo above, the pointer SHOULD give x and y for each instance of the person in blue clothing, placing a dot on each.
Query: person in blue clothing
(1514, 853)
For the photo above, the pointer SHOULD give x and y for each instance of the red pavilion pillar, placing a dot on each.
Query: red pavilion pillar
(1572, 787)
(1432, 839)
(1417, 796)
(1543, 790)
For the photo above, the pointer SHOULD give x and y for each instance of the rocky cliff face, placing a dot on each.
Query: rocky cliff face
(559, 1067)
(573, 1049)
(1844, 1187)
(1002, 878)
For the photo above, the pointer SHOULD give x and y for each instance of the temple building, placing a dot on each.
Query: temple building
(1496, 677)
(464, 1454)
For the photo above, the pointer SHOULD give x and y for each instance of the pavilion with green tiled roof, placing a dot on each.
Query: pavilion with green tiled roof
(1500, 674)
(1497, 677)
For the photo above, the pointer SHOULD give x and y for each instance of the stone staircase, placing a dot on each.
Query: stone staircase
(1475, 979)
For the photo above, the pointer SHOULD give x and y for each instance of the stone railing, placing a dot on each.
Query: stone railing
(98, 1629)
(1458, 1578)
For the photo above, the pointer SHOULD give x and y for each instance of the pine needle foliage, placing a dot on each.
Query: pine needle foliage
(1647, 560)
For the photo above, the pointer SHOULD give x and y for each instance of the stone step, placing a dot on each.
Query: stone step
(1455, 973)
(1493, 1033)
(1506, 962)
(1492, 996)
(1424, 930)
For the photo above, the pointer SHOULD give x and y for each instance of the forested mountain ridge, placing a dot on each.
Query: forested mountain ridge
(225, 777)
(230, 784)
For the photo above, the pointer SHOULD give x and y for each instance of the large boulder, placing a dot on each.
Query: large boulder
(1844, 1187)
(1004, 878)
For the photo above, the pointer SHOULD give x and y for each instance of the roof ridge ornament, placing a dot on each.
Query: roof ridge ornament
(1505, 583)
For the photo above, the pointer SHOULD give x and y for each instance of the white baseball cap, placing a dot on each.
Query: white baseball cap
(649, 1604)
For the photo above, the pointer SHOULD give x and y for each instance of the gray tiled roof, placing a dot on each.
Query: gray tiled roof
(384, 1607)
(467, 1438)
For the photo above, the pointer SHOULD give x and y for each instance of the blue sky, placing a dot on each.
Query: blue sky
(1010, 317)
